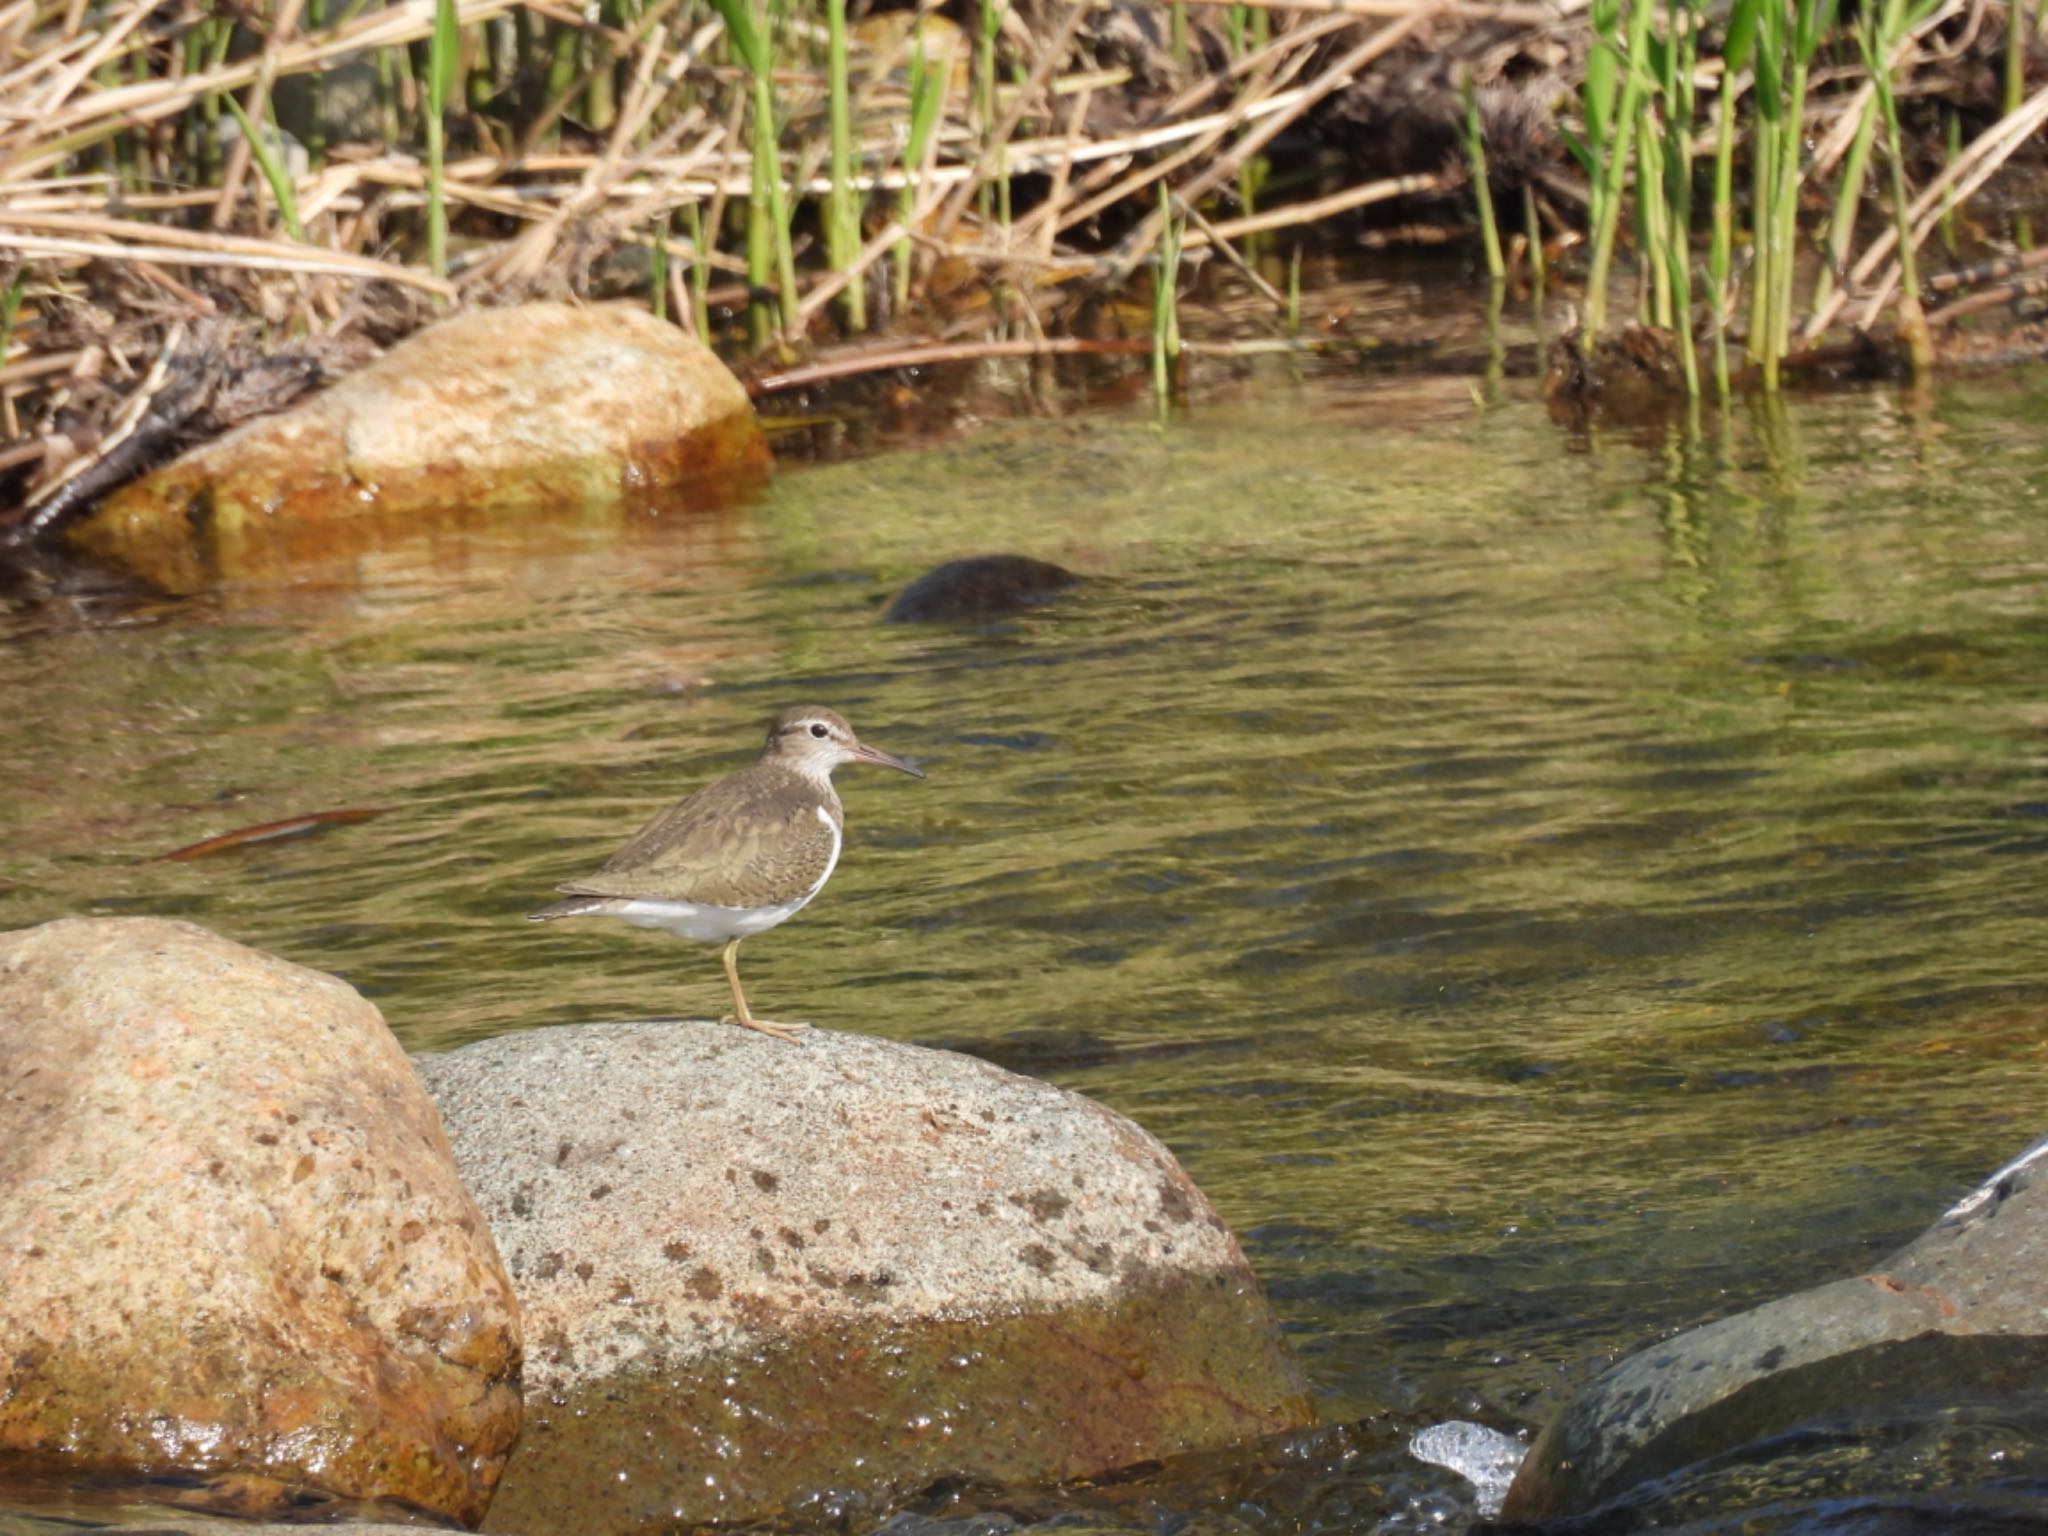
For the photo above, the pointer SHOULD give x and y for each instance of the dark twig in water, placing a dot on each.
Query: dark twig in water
(881, 359)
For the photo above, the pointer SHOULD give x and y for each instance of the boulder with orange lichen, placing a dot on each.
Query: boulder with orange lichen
(237, 1266)
(546, 409)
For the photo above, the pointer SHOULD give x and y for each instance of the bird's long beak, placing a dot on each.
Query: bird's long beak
(868, 754)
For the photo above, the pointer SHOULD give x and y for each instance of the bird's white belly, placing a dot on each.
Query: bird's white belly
(707, 924)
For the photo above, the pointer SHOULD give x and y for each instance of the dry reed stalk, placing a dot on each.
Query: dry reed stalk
(1204, 133)
(1833, 144)
(40, 367)
(848, 365)
(998, 143)
(133, 409)
(96, 54)
(576, 21)
(1978, 162)
(105, 112)
(1219, 242)
(14, 84)
(834, 283)
(2007, 292)
(1138, 244)
(1466, 10)
(194, 248)
(525, 256)
(1056, 194)
(1292, 215)
(1092, 193)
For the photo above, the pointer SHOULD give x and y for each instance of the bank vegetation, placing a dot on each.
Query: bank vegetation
(206, 210)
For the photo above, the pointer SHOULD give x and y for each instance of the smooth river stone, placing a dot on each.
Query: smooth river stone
(979, 587)
(759, 1276)
(235, 1256)
(570, 411)
(1955, 1322)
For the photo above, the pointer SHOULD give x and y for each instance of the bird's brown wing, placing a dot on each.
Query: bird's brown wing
(742, 842)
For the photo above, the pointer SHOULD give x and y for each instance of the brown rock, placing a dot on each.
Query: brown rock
(542, 408)
(757, 1274)
(233, 1247)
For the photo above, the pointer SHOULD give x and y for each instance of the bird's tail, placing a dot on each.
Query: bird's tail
(575, 906)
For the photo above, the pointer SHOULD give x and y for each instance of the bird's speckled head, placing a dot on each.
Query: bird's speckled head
(814, 740)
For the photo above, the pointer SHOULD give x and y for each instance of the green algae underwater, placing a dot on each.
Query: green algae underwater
(1548, 889)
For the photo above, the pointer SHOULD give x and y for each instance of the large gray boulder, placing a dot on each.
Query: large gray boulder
(1953, 1326)
(758, 1275)
(235, 1256)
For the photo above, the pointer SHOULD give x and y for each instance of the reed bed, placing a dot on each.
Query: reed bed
(791, 178)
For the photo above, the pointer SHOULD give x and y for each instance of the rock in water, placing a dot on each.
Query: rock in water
(979, 587)
(1954, 1325)
(234, 1252)
(758, 1276)
(544, 408)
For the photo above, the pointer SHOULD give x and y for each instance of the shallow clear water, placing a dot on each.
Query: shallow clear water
(1548, 891)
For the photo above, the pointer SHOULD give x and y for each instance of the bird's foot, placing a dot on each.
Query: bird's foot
(787, 1032)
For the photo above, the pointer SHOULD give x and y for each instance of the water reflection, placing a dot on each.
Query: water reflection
(1547, 892)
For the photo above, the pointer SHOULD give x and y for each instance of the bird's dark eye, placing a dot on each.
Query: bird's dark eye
(819, 731)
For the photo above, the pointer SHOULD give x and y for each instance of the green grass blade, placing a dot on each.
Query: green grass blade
(272, 167)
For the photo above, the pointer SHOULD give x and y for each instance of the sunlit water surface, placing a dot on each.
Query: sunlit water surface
(1547, 891)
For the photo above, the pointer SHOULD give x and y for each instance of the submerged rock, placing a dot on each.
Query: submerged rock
(234, 1253)
(979, 587)
(758, 1276)
(542, 408)
(1632, 375)
(1951, 1331)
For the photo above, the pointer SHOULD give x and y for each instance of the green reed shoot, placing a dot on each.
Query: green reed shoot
(1676, 55)
(316, 93)
(1848, 198)
(443, 50)
(1294, 293)
(2016, 27)
(1810, 22)
(219, 34)
(661, 268)
(564, 63)
(768, 239)
(265, 147)
(1482, 193)
(600, 95)
(1948, 196)
(700, 273)
(985, 99)
(1532, 231)
(1166, 301)
(1721, 245)
(1653, 222)
(1883, 24)
(1251, 186)
(10, 306)
(842, 212)
(927, 97)
(1610, 98)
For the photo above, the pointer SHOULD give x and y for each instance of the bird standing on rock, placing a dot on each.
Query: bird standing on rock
(740, 855)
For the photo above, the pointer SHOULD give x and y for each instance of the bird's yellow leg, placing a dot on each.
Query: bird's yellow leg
(787, 1032)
